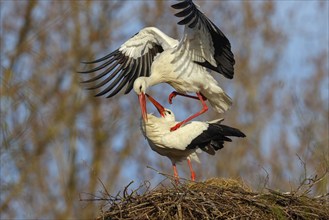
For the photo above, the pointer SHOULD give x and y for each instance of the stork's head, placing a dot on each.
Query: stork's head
(168, 115)
(140, 86)
(165, 113)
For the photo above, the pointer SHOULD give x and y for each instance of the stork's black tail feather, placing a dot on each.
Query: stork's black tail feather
(213, 138)
(228, 131)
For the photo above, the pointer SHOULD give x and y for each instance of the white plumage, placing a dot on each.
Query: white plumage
(171, 144)
(186, 142)
(151, 57)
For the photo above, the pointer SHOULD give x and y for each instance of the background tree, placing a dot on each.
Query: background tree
(57, 140)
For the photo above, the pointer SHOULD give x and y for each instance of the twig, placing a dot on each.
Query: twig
(125, 195)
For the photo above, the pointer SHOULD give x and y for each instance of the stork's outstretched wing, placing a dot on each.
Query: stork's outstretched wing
(130, 61)
(203, 42)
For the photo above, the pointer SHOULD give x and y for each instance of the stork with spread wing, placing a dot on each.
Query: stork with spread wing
(151, 57)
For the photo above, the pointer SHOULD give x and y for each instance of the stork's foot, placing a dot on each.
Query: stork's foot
(171, 96)
(176, 127)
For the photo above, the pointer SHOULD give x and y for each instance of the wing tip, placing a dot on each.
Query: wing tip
(181, 4)
(228, 75)
(188, 13)
(88, 62)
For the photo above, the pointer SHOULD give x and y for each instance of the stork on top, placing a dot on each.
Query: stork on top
(184, 143)
(151, 57)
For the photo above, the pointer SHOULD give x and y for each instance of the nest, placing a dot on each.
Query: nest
(212, 199)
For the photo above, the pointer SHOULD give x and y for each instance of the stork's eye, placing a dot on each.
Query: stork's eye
(140, 87)
(169, 112)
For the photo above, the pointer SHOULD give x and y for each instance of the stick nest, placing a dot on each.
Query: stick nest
(211, 199)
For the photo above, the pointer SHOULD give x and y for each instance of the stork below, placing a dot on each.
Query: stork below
(187, 141)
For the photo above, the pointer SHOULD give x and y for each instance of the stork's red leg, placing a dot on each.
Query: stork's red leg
(175, 173)
(191, 170)
(174, 94)
(203, 110)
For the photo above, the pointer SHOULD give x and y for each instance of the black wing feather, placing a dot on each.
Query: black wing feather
(215, 136)
(110, 61)
(119, 87)
(114, 74)
(132, 77)
(113, 84)
(181, 5)
(104, 73)
(187, 19)
(121, 70)
(101, 59)
(184, 13)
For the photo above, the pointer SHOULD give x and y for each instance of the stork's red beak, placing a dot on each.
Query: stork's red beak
(142, 103)
(159, 107)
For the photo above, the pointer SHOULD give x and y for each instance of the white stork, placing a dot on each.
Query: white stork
(185, 142)
(151, 57)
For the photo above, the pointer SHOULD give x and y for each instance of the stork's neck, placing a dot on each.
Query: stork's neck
(152, 80)
(157, 126)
